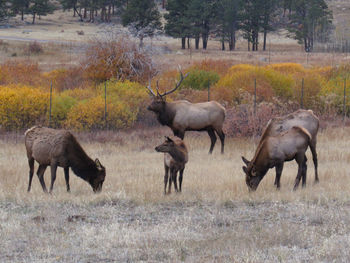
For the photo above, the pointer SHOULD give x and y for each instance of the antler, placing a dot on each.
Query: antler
(150, 89)
(182, 77)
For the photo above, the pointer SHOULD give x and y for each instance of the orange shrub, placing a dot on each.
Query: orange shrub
(21, 72)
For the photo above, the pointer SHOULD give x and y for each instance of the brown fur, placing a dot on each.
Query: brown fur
(182, 116)
(175, 159)
(50, 147)
(301, 118)
(273, 151)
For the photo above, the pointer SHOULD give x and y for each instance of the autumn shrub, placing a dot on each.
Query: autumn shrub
(269, 84)
(218, 66)
(80, 94)
(118, 58)
(287, 68)
(20, 72)
(63, 79)
(200, 79)
(61, 105)
(22, 106)
(90, 115)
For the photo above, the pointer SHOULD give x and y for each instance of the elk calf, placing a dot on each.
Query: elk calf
(273, 151)
(50, 147)
(175, 158)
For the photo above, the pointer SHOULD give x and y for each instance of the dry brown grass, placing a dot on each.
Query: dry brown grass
(214, 219)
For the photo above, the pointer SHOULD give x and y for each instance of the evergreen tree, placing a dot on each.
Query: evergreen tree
(142, 17)
(307, 19)
(268, 14)
(20, 7)
(177, 22)
(5, 9)
(40, 7)
(227, 21)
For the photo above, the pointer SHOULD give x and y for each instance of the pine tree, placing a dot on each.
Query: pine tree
(307, 19)
(177, 23)
(40, 7)
(142, 17)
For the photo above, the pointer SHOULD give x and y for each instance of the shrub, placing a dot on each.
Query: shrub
(63, 79)
(34, 48)
(200, 79)
(22, 106)
(20, 72)
(89, 115)
(61, 105)
(120, 59)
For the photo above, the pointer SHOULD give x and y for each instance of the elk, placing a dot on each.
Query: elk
(51, 147)
(273, 151)
(302, 118)
(182, 116)
(175, 158)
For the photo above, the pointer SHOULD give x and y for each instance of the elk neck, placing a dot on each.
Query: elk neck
(81, 164)
(178, 154)
(167, 114)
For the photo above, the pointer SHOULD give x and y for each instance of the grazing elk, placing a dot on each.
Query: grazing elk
(50, 147)
(301, 118)
(183, 116)
(273, 151)
(175, 158)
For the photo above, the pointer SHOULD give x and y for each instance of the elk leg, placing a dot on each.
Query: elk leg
(66, 176)
(53, 175)
(221, 135)
(31, 172)
(180, 178)
(304, 172)
(279, 168)
(212, 138)
(300, 160)
(174, 176)
(314, 158)
(166, 177)
(40, 174)
(170, 180)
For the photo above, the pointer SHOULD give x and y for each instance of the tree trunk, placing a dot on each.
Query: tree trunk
(109, 13)
(223, 43)
(183, 43)
(141, 41)
(33, 18)
(196, 40)
(265, 34)
(85, 12)
(103, 14)
(163, 4)
(248, 44)
(22, 15)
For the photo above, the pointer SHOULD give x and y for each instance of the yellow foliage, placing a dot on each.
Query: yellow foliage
(89, 115)
(22, 106)
(287, 68)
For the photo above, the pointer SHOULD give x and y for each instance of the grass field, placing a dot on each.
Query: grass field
(214, 219)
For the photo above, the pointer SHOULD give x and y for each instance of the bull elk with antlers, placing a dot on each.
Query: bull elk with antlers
(182, 116)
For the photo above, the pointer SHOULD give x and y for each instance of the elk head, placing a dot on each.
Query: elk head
(97, 181)
(158, 102)
(165, 146)
(252, 176)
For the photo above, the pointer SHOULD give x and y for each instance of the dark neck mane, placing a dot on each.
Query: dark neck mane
(166, 116)
(81, 164)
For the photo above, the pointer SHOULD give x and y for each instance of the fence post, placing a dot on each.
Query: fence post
(105, 104)
(208, 90)
(50, 104)
(344, 100)
(254, 97)
(302, 94)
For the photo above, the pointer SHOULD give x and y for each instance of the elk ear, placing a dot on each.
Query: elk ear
(245, 170)
(168, 139)
(98, 164)
(245, 160)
